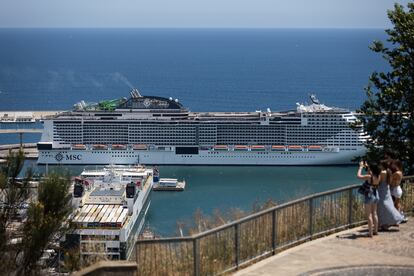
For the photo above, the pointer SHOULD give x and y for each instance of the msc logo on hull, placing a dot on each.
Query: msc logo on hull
(68, 157)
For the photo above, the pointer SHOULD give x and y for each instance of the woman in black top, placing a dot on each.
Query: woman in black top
(373, 176)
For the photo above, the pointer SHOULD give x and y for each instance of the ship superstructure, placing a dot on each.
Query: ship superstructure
(110, 205)
(156, 130)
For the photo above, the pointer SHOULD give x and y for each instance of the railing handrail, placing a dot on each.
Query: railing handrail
(318, 214)
(254, 215)
(274, 208)
(249, 217)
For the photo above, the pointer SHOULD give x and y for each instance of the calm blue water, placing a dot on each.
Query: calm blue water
(207, 70)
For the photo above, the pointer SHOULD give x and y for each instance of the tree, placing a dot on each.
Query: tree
(45, 219)
(389, 108)
(22, 243)
(13, 193)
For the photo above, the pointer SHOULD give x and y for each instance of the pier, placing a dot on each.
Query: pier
(21, 122)
(21, 130)
(26, 116)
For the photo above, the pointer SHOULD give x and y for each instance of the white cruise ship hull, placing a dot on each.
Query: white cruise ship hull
(204, 157)
(157, 130)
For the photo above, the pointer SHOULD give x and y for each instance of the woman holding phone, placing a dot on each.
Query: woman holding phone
(371, 197)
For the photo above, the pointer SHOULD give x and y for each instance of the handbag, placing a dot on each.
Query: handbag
(365, 188)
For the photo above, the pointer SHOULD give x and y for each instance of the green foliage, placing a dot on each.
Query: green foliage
(72, 259)
(12, 194)
(36, 232)
(53, 194)
(14, 164)
(389, 110)
(45, 218)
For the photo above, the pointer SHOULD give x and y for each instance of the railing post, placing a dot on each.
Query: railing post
(350, 207)
(311, 217)
(136, 252)
(196, 254)
(274, 229)
(236, 244)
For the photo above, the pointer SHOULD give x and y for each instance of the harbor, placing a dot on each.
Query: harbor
(201, 148)
(112, 204)
(228, 188)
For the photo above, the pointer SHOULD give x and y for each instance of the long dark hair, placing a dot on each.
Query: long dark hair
(396, 165)
(374, 168)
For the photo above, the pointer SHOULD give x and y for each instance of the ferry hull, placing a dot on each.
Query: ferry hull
(207, 157)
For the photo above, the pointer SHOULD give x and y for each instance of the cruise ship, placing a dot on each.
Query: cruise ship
(161, 131)
(110, 205)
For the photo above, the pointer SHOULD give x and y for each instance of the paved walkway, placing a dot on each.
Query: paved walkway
(345, 253)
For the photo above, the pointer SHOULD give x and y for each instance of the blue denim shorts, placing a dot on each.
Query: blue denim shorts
(372, 197)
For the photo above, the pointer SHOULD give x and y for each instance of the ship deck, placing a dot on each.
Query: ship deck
(101, 216)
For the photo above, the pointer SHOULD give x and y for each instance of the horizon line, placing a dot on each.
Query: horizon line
(216, 28)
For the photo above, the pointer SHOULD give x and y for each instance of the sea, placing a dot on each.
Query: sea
(205, 70)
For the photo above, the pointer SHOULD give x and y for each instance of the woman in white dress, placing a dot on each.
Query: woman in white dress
(395, 183)
(388, 215)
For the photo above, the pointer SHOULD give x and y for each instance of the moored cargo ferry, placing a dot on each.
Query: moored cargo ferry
(109, 209)
(156, 130)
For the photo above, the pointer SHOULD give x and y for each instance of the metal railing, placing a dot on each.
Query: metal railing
(239, 243)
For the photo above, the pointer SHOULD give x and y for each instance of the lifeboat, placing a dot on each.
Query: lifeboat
(278, 148)
(295, 148)
(99, 147)
(140, 147)
(220, 147)
(240, 148)
(118, 147)
(257, 148)
(315, 148)
(79, 147)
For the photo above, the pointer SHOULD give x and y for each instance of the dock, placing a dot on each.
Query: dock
(27, 116)
(21, 130)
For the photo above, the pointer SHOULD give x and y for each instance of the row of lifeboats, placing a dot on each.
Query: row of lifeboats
(263, 148)
(113, 147)
(216, 147)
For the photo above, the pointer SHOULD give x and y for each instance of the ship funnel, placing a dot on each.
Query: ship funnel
(135, 94)
(130, 194)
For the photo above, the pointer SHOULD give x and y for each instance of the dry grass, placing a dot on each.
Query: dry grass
(170, 258)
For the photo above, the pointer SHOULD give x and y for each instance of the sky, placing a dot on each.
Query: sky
(195, 13)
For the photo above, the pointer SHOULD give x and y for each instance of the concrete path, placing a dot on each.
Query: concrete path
(345, 253)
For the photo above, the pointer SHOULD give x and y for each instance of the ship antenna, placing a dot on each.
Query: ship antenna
(314, 99)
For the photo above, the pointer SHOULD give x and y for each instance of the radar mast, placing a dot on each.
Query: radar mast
(314, 99)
